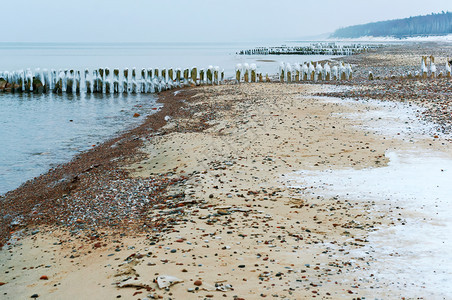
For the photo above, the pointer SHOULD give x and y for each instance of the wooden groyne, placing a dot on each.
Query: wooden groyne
(313, 49)
(106, 81)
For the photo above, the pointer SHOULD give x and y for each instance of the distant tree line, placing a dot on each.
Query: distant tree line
(433, 24)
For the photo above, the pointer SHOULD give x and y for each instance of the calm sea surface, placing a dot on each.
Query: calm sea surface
(40, 131)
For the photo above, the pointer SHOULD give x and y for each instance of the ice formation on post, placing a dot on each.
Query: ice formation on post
(238, 70)
(304, 72)
(318, 72)
(342, 72)
(253, 73)
(311, 71)
(282, 71)
(246, 75)
(125, 81)
(334, 73)
(288, 72)
(297, 71)
(216, 75)
(210, 75)
(448, 68)
(349, 71)
(424, 70)
(327, 72)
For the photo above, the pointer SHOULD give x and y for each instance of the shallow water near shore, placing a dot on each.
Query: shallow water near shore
(36, 131)
(41, 131)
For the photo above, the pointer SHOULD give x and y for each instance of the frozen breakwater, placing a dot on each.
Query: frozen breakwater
(105, 81)
(313, 49)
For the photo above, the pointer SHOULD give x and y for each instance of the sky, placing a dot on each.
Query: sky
(195, 20)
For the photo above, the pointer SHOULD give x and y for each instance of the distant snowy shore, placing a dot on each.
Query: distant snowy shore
(432, 38)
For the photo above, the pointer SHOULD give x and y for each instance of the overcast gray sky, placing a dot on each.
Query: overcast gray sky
(194, 20)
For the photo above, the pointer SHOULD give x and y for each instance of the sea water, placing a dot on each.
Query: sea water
(39, 131)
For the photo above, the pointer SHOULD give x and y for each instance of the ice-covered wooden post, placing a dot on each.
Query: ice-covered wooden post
(304, 72)
(260, 77)
(216, 75)
(318, 72)
(238, 70)
(246, 74)
(297, 70)
(371, 76)
(210, 75)
(77, 82)
(267, 78)
(432, 66)
(424, 70)
(448, 68)
(194, 75)
(349, 72)
(311, 72)
(327, 72)
(107, 81)
(222, 76)
(149, 81)
(178, 76)
(186, 75)
(342, 72)
(46, 77)
(253, 73)
(201, 76)
(289, 72)
(116, 81)
(334, 73)
(53, 79)
(134, 81)
(282, 74)
(101, 80)
(88, 85)
(125, 81)
(59, 86)
(143, 81)
(70, 81)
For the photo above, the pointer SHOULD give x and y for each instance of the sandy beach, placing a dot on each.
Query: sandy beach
(224, 192)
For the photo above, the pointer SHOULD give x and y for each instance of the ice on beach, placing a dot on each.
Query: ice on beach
(416, 180)
(419, 182)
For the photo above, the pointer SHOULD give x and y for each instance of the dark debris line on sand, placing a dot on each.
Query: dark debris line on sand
(93, 190)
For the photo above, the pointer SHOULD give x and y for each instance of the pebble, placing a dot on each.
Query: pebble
(197, 282)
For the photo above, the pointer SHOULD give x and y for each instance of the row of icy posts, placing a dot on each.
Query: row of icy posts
(248, 73)
(104, 81)
(428, 70)
(314, 71)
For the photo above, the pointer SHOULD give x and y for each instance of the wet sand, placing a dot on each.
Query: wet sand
(206, 197)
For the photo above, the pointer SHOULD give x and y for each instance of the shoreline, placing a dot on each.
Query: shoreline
(75, 174)
(209, 202)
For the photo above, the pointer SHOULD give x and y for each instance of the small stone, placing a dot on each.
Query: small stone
(173, 250)
(136, 115)
(34, 296)
(44, 277)
(241, 266)
(2, 283)
(198, 282)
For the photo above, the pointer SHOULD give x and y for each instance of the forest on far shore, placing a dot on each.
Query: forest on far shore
(433, 24)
